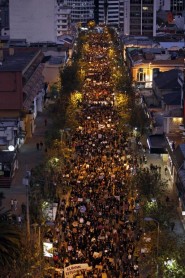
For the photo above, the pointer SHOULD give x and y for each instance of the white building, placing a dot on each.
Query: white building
(32, 20)
(111, 12)
(163, 5)
(38, 21)
(81, 10)
(63, 20)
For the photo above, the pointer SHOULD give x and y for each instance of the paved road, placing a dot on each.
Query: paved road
(171, 192)
(28, 157)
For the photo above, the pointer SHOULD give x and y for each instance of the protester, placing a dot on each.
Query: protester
(98, 225)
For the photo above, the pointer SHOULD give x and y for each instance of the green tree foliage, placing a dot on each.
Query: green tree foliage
(73, 111)
(149, 184)
(139, 119)
(70, 80)
(10, 242)
(77, 54)
(160, 211)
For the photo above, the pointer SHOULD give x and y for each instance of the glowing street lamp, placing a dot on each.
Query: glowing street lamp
(11, 148)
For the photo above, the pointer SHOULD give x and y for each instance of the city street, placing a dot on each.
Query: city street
(97, 229)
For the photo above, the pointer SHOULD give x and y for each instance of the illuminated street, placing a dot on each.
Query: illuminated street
(99, 223)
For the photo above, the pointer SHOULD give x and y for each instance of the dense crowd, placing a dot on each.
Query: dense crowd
(97, 225)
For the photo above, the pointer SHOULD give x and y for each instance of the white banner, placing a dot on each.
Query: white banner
(48, 249)
(70, 270)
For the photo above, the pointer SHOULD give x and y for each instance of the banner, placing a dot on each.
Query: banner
(73, 269)
(48, 249)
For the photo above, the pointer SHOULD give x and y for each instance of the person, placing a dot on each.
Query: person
(41, 145)
(23, 208)
(166, 170)
(173, 146)
(12, 204)
(19, 220)
(38, 145)
(45, 122)
(172, 226)
(167, 199)
(15, 202)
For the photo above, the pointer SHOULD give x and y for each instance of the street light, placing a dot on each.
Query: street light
(158, 230)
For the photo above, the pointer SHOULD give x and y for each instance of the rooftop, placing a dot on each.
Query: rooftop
(168, 79)
(172, 98)
(159, 56)
(157, 143)
(18, 61)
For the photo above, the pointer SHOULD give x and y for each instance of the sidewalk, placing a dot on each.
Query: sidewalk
(171, 192)
(28, 157)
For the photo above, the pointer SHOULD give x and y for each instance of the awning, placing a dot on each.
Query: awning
(157, 144)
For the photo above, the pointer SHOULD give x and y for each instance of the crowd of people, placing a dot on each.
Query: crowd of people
(97, 224)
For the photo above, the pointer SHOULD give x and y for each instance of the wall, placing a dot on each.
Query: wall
(33, 20)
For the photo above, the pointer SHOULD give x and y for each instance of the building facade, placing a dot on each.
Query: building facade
(22, 96)
(82, 11)
(140, 17)
(39, 21)
(4, 15)
(110, 12)
(21, 89)
(32, 20)
(63, 20)
(133, 17)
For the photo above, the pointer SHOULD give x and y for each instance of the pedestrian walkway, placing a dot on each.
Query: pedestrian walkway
(28, 157)
(171, 191)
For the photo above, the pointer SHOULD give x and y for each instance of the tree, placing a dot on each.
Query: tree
(139, 119)
(10, 243)
(70, 80)
(73, 111)
(149, 184)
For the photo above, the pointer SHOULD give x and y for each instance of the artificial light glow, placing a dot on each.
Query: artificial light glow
(11, 148)
(170, 263)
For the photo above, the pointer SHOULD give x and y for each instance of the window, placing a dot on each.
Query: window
(141, 75)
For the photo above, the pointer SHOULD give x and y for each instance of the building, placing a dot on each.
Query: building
(145, 63)
(177, 6)
(82, 11)
(32, 20)
(140, 17)
(21, 89)
(133, 17)
(40, 22)
(110, 12)
(4, 15)
(22, 96)
(63, 19)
